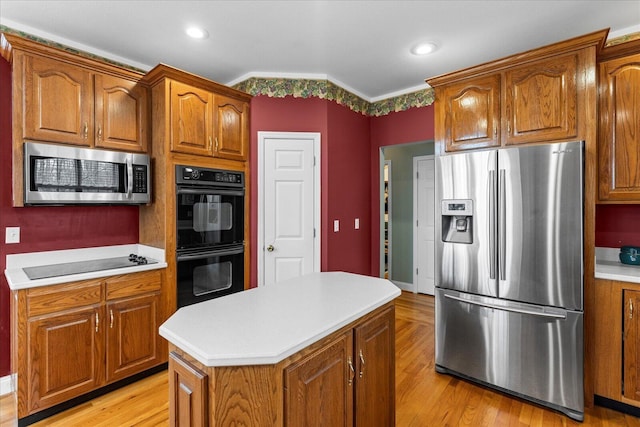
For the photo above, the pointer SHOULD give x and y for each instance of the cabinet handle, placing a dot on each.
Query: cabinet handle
(210, 144)
(111, 316)
(97, 321)
(85, 130)
(216, 143)
(352, 371)
(99, 133)
(630, 308)
(361, 364)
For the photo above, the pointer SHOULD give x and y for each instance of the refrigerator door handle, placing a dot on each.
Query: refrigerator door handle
(532, 312)
(502, 221)
(492, 224)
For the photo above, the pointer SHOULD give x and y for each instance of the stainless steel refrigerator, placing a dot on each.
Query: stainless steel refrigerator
(509, 271)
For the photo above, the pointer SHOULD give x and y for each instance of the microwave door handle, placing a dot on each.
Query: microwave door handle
(129, 177)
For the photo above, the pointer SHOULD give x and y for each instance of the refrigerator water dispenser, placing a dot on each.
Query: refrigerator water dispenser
(457, 221)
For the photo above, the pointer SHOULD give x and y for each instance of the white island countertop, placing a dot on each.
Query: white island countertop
(265, 325)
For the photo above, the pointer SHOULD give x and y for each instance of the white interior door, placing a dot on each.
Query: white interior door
(290, 244)
(424, 224)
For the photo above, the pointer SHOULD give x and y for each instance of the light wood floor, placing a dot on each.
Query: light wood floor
(423, 397)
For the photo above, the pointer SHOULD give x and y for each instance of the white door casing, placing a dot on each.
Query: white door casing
(288, 205)
(424, 224)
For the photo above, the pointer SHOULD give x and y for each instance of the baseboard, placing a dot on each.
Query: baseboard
(403, 285)
(6, 385)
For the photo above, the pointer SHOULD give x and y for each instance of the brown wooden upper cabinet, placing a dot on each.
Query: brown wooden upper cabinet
(208, 124)
(619, 128)
(472, 114)
(69, 104)
(541, 95)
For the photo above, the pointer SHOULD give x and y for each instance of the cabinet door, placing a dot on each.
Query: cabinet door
(631, 345)
(188, 395)
(541, 101)
(375, 372)
(66, 356)
(58, 103)
(619, 129)
(132, 336)
(232, 128)
(121, 114)
(191, 120)
(319, 388)
(472, 114)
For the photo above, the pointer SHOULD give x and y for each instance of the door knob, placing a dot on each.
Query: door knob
(270, 248)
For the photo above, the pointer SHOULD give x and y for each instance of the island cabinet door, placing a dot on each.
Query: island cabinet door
(319, 388)
(66, 356)
(188, 395)
(375, 373)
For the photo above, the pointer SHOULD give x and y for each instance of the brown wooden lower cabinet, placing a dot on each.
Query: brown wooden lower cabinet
(345, 379)
(73, 338)
(617, 340)
(631, 345)
(187, 394)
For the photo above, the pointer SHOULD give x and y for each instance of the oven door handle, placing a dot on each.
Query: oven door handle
(210, 191)
(207, 254)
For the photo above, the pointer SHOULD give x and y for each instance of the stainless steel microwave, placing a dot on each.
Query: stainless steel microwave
(59, 174)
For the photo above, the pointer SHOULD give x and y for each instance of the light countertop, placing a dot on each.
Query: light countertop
(608, 266)
(265, 325)
(17, 278)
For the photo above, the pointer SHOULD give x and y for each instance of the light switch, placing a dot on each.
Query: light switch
(356, 223)
(336, 225)
(12, 235)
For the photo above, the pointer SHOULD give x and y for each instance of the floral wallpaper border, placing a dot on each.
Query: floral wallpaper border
(325, 89)
(623, 39)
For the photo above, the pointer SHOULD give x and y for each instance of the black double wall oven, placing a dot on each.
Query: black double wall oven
(209, 233)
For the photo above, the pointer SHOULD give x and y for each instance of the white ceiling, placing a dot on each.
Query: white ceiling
(362, 46)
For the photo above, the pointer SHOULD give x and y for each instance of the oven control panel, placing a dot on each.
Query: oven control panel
(205, 176)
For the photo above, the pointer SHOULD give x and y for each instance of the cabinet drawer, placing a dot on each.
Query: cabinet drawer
(49, 299)
(133, 284)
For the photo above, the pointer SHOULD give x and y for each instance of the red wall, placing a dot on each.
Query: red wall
(617, 225)
(348, 189)
(48, 228)
(412, 125)
(344, 174)
(287, 114)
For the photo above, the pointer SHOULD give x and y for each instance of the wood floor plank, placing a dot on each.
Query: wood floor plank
(424, 398)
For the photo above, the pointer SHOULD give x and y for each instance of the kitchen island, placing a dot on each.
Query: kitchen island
(321, 346)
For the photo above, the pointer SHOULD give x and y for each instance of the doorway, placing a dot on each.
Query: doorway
(400, 220)
(288, 205)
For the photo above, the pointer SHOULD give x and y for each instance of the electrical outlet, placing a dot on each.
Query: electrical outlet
(12, 235)
(356, 223)
(336, 225)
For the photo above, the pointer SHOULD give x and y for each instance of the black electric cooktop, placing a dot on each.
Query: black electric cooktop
(78, 267)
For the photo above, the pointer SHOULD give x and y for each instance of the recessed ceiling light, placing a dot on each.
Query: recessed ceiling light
(424, 48)
(197, 33)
